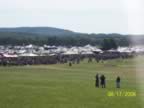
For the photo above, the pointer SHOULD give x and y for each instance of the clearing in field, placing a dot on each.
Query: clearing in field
(61, 86)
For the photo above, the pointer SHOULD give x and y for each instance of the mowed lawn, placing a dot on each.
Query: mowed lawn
(61, 86)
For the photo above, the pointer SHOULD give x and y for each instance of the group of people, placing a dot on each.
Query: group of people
(101, 81)
(15, 61)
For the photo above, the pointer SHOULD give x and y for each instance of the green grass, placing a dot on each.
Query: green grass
(61, 86)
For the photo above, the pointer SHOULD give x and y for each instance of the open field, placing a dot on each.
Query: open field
(61, 86)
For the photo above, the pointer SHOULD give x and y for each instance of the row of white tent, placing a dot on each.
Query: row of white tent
(53, 50)
(137, 49)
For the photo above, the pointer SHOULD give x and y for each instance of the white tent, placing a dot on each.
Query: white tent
(29, 46)
(124, 49)
(10, 55)
(70, 53)
(21, 51)
(87, 53)
(28, 55)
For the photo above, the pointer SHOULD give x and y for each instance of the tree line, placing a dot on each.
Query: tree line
(14, 38)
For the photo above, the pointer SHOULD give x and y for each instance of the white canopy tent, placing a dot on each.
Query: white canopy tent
(28, 55)
(10, 55)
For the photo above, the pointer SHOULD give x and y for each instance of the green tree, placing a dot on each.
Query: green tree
(108, 44)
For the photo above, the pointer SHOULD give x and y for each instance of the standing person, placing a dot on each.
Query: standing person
(102, 78)
(118, 82)
(103, 82)
(97, 80)
(70, 64)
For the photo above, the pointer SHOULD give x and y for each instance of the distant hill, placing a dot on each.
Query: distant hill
(39, 30)
(56, 36)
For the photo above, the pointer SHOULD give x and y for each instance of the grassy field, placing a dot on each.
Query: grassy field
(61, 86)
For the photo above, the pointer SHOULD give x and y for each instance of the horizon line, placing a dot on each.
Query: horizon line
(11, 27)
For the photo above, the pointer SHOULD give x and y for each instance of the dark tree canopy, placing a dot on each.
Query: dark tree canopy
(107, 41)
(108, 44)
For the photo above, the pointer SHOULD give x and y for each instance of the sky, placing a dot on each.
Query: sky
(87, 16)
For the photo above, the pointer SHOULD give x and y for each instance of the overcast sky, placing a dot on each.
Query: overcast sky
(88, 16)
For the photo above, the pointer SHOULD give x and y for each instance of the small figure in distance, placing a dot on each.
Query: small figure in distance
(97, 81)
(104, 78)
(103, 81)
(70, 64)
(118, 82)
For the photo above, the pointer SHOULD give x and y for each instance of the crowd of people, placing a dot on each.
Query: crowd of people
(100, 81)
(73, 59)
(28, 60)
